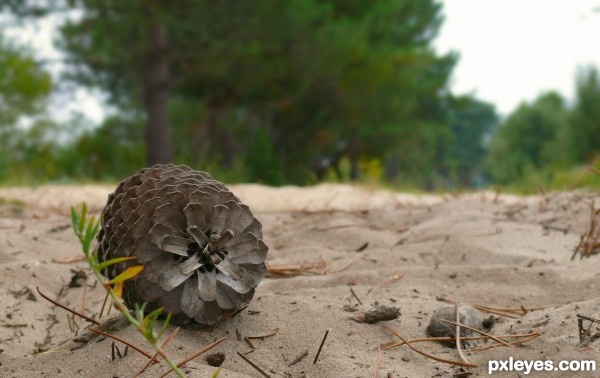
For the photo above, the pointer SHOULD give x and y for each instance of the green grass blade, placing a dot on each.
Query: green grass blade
(74, 220)
(110, 262)
(82, 216)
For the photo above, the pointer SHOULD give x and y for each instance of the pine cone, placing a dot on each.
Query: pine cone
(201, 248)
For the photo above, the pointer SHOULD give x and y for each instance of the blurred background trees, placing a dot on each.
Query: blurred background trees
(24, 87)
(296, 91)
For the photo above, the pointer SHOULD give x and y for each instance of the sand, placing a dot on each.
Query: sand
(480, 248)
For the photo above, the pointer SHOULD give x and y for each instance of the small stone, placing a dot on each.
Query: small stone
(377, 314)
(468, 315)
(215, 359)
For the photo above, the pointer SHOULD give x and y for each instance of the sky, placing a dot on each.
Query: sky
(510, 51)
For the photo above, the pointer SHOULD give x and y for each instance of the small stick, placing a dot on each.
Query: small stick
(496, 312)
(69, 260)
(299, 358)
(588, 318)
(228, 316)
(198, 353)
(247, 340)
(71, 325)
(395, 344)
(261, 371)
(389, 281)
(321, 347)
(23, 325)
(452, 362)
(355, 296)
(75, 326)
(377, 362)
(344, 267)
(477, 331)
(155, 357)
(121, 341)
(103, 304)
(294, 270)
(499, 311)
(524, 339)
(266, 334)
(66, 308)
(457, 334)
(516, 310)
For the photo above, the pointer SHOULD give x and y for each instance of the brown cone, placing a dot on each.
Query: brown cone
(201, 248)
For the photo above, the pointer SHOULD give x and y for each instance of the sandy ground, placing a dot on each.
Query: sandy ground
(482, 248)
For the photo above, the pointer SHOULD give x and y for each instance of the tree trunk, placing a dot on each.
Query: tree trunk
(156, 95)
(353, 156)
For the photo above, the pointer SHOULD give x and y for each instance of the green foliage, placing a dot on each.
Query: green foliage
(471, 121)
(285, 92)
(112, 151)
(23, 85)
(553, 178)
(24, 88)
(86, 228)
(584, 133)
(360, 70)
(261, 159)
(530, 139)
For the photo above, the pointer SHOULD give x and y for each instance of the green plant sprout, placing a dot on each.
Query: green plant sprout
(86, 228)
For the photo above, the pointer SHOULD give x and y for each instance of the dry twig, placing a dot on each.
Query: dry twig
(69, 260)
(117, 338)
(522, 338)
(321, 347)
(263, 335)
(354, 295)
(387, 282)
(343, 267)
(377, 362)
(299, 358)
(452, 362)
(67, 308)
(589, 241)
(261, 371)
(477, 331)
(509, 312)
(291, 270)
(155, 358)
(457, 334)
(196, 354)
